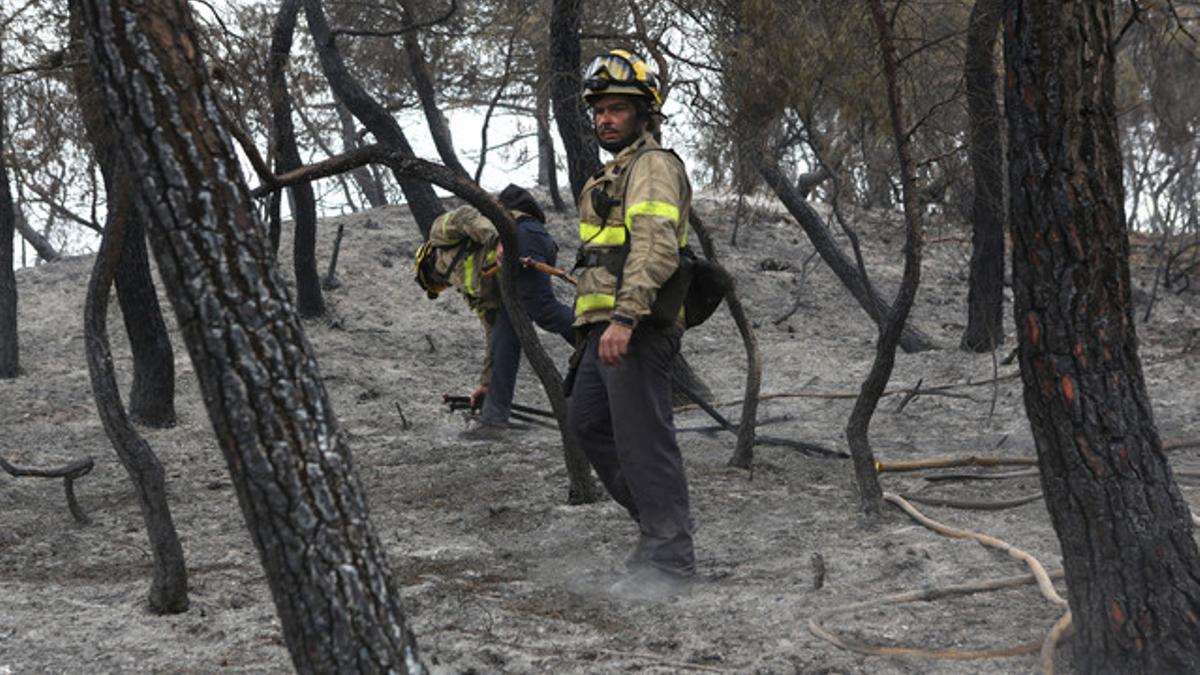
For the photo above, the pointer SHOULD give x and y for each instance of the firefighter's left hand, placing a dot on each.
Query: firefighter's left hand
(614, 343)
(499, 254)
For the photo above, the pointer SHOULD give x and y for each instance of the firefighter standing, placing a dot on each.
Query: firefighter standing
(634, 215)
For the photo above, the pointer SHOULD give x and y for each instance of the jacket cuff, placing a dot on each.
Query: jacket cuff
(628, 322)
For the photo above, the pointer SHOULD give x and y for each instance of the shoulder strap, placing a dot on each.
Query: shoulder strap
(465, 246)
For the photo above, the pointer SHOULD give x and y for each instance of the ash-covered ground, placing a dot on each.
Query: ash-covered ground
(498, 573)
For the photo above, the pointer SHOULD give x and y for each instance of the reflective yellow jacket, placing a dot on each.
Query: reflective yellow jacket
(474, 276)
(466, 226)
(654, 215)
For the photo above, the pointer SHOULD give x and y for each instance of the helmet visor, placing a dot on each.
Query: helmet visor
(609, 69)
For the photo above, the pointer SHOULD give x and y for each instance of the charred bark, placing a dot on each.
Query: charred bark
(858, 426)
(686, 384)
(69, 473)
(1130, 559)
(152, 392)
(911, 339)
(582, 488)
(422, 201)
(743, 453)
(288, 460)
(574, 125)
(422, 82)
(985, 291)
(169, 588)
(10, 362)
(547, 161)
(41, 245)
(309, 300)
(368, 183)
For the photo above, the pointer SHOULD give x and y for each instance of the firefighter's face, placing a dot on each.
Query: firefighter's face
(616, 121)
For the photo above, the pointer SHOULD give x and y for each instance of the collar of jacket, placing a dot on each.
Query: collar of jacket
(626, 154)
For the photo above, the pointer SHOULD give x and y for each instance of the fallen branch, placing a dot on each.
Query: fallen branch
(928, 391)
(1180, 444)
(983, 476)
(816, 628)
(803, 446)
(1168, 446)
(710, 428)
(973, 505)
(68, 473)
(1038, 575)
(948, 462)
(910, 395)
(917, 391)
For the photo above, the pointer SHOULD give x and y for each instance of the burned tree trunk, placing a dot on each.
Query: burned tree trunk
(152, 392)
(423, 84)
(574, 125)
(985, 291)
(45, 251)
(10, 363)
(309, 301)
(422, 201)
(1131, 562)
(858, 426)
(169, 588)
(547, 164)
(364, 177)
(911, 339)
(288, 460)
(743, 453)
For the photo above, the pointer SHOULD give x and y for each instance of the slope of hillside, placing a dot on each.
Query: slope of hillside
(498, 574)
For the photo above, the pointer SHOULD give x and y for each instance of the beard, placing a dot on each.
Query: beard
(619, 144)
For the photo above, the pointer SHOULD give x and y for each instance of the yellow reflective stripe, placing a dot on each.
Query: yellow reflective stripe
(469, 274)
(445, 220)
(490, 258)
(598, 235)
(651, 208)
(593, 302)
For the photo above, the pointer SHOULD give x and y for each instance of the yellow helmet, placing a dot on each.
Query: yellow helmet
(428, 277)
(621, 72)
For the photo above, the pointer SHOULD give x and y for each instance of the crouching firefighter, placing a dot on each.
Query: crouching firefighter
(462, 252)
(628, 311)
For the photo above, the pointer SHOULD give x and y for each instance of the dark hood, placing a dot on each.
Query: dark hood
(516, 198)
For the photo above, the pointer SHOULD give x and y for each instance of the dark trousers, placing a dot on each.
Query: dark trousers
(622, 418)
(537, 297)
